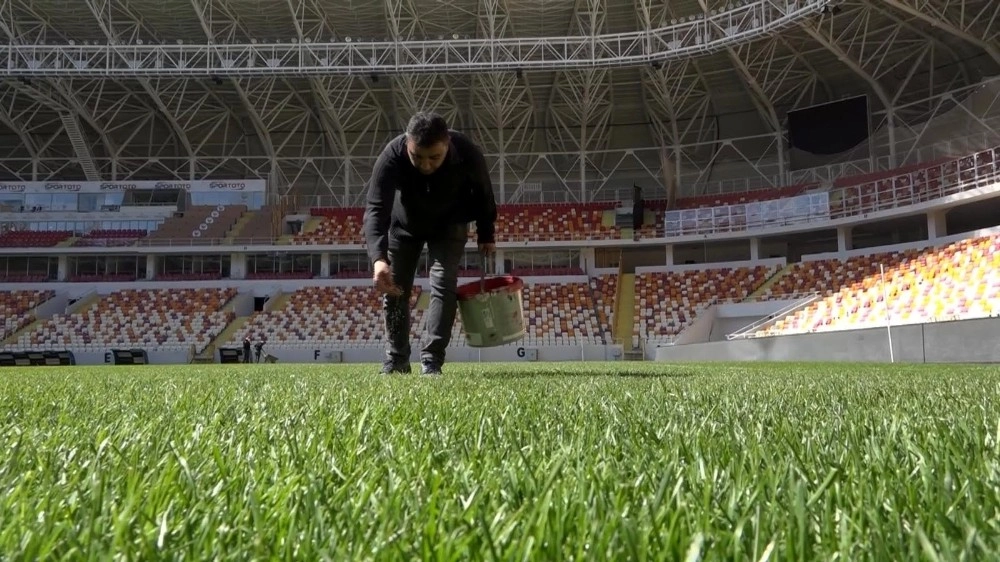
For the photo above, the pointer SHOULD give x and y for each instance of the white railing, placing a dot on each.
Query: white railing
(798, 303)
(694, 36)
(886, 191)
(890, 191)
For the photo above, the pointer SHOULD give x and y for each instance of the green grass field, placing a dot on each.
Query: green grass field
(528, 461)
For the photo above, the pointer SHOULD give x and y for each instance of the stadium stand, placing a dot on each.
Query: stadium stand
(103, 278)
(198, 225)
(110, 238)
(281, 275)
(179, 319)
(204, 276)
(537, 222)
(558, 312)
(16, 307)
(257, 229)
(92, 194)
(33, 238)
(667, 302)
(734, 198)
(561, 221)
(605, 290)
(561, 314)
(338, 226)
(517, 223)
(323, 315)
(957, 280)
(35, 278)
(545, 271)
(555, 313)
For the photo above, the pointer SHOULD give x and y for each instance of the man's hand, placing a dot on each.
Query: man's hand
(487, 248)
(383, 280)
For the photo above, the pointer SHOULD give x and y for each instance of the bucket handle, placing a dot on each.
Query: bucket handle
(487, 262)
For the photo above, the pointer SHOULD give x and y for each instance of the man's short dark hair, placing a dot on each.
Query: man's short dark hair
(427, 129)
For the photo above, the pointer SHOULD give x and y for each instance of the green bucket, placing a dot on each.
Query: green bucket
(492, 311)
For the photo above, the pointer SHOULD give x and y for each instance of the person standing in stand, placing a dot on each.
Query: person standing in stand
(246, 350)
(428, 184)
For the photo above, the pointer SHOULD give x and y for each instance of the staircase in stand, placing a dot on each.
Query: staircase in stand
(768, 283)
(625, 317)
(208, 355)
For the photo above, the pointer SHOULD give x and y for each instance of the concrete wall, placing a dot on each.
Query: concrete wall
(243, 304)
(700, 329)
(78, 303)
(717, 321)
(53, 306)
(155, 356)
(959, 341)
(374, 354)
(725, 326)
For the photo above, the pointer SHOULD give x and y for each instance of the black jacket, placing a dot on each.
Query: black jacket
(459, 192)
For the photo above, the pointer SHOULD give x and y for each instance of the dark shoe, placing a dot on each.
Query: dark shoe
(430, 368)
(390, 367)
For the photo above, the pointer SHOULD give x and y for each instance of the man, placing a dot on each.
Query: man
(246, 349)
(428, 184)
(258, 349)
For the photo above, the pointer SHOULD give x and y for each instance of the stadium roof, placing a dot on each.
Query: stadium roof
(699, 71)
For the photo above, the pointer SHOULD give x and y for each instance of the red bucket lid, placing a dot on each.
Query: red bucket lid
(502, 284)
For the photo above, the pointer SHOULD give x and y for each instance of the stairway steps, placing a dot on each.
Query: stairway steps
(768, 283)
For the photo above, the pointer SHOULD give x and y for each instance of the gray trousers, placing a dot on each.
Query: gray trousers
(444, 256)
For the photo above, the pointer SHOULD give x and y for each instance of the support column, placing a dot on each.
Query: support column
(937, 225)
(755, 249)
(347, 180)
(588, 259)
(150, 267)
(844, 241)
(498, 262)
(63, 271)
(670, 254)
(238, 266)
(324, 265)
(502, 164)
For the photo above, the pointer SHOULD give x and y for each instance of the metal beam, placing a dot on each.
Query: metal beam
(6, 104)
(677, 93)
(942, 23)
(551, 167)
(805, 62)
(25, 30)
(760, 99)
(420, 92)
(201, 8)
(874, 84)
(698, 37)
(500, 100)
(62, 102)
(502, 109)
(332, 129)
(936, 42)
(580, 102)
(101, 9)
(71, 112)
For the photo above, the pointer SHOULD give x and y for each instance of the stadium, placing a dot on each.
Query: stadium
(676, 180)
(672, 181)
(760, 182)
